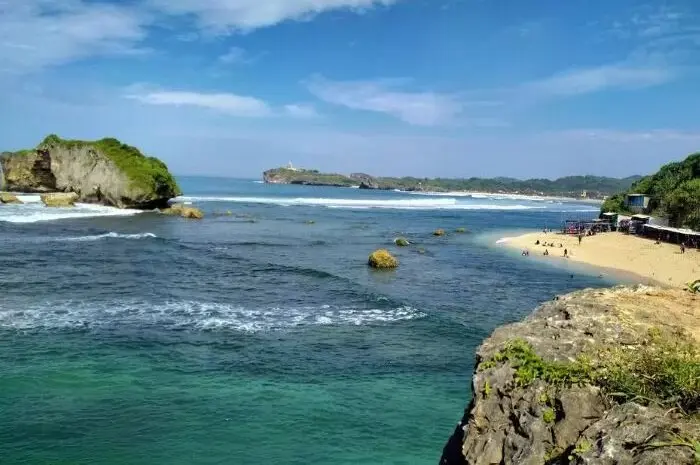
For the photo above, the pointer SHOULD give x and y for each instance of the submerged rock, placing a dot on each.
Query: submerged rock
(8, 198)
(439, 232)
(382, 259)
(402, 242)
(59, 199)
(562, 387)
(460, 230)
(104, 171)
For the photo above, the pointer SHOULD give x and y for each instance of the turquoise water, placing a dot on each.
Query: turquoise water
(256, 337)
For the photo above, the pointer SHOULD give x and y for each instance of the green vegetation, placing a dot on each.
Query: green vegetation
(581, 448)
(572, 186)
(382, 259)
(694, 286)
(147, 173)
(663, 372)
(487, 389)
(548, 416)
(674, 192)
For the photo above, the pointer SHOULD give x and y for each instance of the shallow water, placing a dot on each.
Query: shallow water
(256, 338)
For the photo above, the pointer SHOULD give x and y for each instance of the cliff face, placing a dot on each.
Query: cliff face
(602, 377)
(104, 171)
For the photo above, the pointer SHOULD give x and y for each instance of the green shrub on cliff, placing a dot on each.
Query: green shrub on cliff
(147, 173)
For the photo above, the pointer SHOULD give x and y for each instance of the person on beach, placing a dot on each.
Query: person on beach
(566, 253)
(538, 242)
(546, 252)
(682, 247)
(580, 238)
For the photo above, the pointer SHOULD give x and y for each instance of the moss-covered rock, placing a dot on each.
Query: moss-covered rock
(461, 230)
(382, 259)
(402, 242)
(104, 171)
(8, 198)
(439, 232)
(59, 199)
(179, 209)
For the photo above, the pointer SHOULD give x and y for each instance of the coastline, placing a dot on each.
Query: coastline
(628, 257)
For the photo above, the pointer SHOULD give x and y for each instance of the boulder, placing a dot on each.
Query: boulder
(179, 209)
(59, 199)
(8, 198)
(460, 230)
(382, 259)
(104, 171)
(439, 232)
(401, 242)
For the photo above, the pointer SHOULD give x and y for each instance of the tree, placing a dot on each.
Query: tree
(683, 204)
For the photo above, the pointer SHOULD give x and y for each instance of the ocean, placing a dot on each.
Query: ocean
(258, 337)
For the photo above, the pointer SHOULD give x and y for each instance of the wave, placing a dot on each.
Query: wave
(197, 316)
(399, 204)
(109, 235)
(33, 211)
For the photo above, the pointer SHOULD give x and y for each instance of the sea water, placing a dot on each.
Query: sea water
(259, 336)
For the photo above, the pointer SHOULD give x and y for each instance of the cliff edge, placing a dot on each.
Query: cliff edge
(105, 171)
(598, 377)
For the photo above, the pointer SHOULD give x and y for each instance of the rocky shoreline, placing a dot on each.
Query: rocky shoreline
(600, 377)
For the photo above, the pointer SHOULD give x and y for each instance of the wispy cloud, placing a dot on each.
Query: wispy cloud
(230, 104)
(35, 34)
(301, 111)
(246, 15)
(621, 76)
(386, 96)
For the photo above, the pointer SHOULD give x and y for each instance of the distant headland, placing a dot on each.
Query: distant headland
(589, 187)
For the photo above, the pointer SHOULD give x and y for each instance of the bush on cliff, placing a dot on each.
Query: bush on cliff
(382, 259)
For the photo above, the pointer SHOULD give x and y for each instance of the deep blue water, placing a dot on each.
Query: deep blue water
(256, 338)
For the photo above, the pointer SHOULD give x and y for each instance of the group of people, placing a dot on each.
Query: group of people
(526, 252)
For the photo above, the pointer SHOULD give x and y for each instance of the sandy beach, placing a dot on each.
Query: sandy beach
(653, 263)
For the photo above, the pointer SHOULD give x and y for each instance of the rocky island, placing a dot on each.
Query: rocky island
(593, 187)
(104, 171)
(597, 377)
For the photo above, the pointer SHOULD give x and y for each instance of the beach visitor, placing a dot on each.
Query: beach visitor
(546, 252)
(682, 247)
(538, 242)
(566, 253)
(580, 238)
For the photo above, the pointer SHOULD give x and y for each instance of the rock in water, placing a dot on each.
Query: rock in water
(402, 242)
(439, 232)
(382, 259)
(179, 209)
(103, 171)
(59, 199)
(8, 198)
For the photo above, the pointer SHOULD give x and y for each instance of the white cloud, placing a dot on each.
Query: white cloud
(227, 103)
(589, 80)
(247, 15)
(235, 105)
(39, 33)
(382, 96)
(301, 111)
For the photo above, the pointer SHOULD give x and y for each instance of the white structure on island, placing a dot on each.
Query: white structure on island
(290, 167)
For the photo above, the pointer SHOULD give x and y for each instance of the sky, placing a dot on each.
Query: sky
(451, 88)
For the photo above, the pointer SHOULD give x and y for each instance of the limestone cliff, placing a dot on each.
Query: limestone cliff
(598, 377)
(103, 171)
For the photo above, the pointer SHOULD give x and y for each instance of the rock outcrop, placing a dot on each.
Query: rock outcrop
(596, 377)
(103, 171)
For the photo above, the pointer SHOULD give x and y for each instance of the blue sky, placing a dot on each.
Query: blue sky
(392, 87)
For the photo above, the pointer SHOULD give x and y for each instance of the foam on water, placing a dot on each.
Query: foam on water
(33, 211)
(199, 316)
(400, 204)
(109, 235)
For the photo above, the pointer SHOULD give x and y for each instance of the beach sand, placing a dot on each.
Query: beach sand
(658, 263)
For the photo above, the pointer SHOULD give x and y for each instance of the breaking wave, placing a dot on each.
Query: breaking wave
(197, 316)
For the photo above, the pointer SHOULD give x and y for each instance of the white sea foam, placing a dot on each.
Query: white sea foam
(503, 240)
(33, 211)
(109, 235)
(401, 204)
(193, 315)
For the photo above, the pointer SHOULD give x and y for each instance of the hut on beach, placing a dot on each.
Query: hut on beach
(672, 235)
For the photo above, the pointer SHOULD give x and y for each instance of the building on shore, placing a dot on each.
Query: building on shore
(638, 203)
